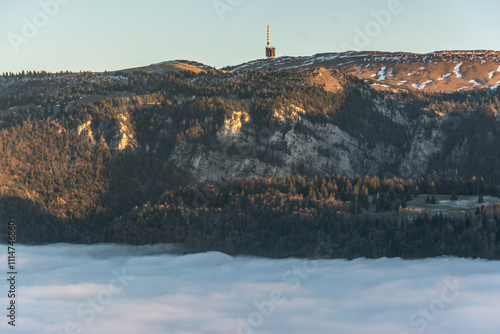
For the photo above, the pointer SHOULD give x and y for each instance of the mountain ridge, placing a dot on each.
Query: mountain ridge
(431, 72)
(171, 66)
(438, 71)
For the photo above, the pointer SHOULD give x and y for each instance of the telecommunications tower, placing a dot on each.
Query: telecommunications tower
(270, 50)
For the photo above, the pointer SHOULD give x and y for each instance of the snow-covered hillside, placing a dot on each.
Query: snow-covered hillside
(442, 71)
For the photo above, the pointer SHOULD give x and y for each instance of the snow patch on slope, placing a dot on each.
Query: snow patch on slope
(456, 70)
(474, 84)
(445, 76)
(381, 74)
(423, 85)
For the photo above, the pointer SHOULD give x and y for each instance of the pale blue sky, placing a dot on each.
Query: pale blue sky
(102, 35)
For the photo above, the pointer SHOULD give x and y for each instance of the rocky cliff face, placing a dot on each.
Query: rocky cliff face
(428, 145)
(422, 146)
(117, 133)
(290, 143)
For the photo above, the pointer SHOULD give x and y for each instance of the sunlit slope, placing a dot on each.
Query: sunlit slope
(443, 71)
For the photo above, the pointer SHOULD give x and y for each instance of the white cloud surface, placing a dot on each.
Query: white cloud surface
(105, 289)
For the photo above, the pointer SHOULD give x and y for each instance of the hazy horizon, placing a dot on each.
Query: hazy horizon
(59, 35)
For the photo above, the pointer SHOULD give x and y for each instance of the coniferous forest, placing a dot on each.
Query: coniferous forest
(91, 158)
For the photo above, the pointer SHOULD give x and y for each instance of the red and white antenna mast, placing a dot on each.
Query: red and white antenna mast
(268, 37)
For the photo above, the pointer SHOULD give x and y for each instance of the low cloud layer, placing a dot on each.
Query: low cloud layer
(107, 289)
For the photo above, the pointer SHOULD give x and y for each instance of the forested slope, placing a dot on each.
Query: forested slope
(90, 157)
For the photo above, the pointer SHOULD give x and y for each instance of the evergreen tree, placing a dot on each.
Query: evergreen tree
(433, 200)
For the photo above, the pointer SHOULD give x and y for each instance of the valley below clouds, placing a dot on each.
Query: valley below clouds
(103, 289)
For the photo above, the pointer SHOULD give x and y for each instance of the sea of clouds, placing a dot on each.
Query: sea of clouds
(104, 289)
